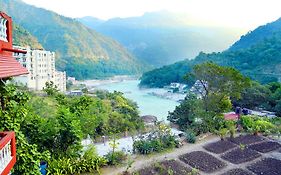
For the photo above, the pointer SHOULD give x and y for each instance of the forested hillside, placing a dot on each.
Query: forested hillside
(22, 37)
(78, 48)
(261, 62)
(258, 35)
(161, 38)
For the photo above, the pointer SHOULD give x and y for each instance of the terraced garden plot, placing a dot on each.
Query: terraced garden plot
(268, 166)
(265, 147)
(239, 155)
(237, 172)
(165, 168)
(220, 146)
(202, 161)
(246, 139)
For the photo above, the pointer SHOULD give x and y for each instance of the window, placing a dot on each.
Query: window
(3, 29)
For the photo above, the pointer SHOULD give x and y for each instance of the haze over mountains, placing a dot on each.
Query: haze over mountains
(257, 55)
(162, 38)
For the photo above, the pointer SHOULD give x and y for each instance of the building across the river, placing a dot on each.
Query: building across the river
(41, 67)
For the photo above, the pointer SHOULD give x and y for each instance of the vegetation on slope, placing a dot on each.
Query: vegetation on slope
(258, 35)
(261, 62)
(227, 88)
(162, 38)
(51, 127)
(22, 37)
(73, 43)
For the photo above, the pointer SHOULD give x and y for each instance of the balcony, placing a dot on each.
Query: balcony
(7, 152)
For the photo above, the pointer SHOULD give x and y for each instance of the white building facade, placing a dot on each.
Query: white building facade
(41, 67)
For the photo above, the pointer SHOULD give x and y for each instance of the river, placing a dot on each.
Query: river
(148, 104)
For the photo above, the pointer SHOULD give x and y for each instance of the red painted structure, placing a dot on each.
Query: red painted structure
(6, 138)
(8, 67)
(231, 116)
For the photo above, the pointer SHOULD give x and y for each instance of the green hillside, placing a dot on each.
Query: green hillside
(260, 61)
(22, 37)
(75, 45)
(258, 35)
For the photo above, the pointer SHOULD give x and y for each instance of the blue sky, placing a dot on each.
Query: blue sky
(247, 14)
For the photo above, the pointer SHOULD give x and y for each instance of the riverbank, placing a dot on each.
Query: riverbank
(115, 79)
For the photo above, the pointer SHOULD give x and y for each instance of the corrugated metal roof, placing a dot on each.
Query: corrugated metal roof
(10, 67)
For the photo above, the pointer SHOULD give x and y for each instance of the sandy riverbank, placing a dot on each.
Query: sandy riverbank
(115, 79)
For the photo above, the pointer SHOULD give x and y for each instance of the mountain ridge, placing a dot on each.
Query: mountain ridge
(162, 38)
(73, 42)
(260, 59)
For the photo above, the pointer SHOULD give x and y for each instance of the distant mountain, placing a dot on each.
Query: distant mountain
(162, 38)
(81, 51)
(22, 37)
(258, 35)
(257, 55)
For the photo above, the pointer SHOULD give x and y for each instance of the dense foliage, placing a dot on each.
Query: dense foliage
(75, 44)
(259, 60)
(266, 97)
(54, 125)
(156, 141)
(22, 37)
(202, 110)
(165, 75)
(89, 162)
(13, 114)
(255, 125)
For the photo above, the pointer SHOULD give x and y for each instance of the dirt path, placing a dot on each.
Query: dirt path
(143, 161)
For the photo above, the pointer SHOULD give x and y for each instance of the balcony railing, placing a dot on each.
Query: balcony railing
(7, 152)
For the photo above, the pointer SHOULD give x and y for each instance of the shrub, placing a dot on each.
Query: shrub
(257, 124)
(222, 133)
(65, 165)
(247, 122)
(231, 126)
(190, 137)
(155, 144)
(115, 158)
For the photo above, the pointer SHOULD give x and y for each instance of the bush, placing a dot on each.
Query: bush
(65, 165)
(257, 124)
(89, 162)
(115, 158)
(247, 122)
(155, 144)
(190, 137)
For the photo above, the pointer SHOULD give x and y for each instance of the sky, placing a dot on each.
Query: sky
(246, 14)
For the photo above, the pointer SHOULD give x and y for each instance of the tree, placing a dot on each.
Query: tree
(219, 84)
(186, 113)
(12, 114)
(255, 96)
(50, 88)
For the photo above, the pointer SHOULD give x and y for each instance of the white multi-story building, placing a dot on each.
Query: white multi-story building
(41, 67)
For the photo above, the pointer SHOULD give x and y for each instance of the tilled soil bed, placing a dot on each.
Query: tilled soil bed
(220, 146)
(202, 161)
(237, 172)
(239, 155)
(246, 139)
(165, 168)
(267, 166)
(265, 147)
